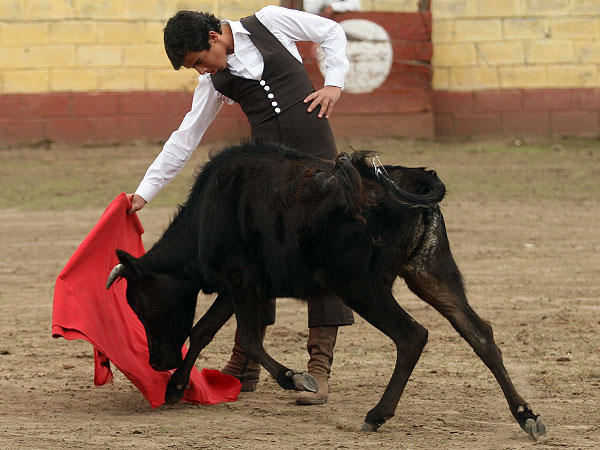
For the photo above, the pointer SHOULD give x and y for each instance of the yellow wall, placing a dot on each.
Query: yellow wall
(105, 45)
(508, 44)
(112, 45)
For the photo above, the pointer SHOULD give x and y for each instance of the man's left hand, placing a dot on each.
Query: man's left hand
(326, 97)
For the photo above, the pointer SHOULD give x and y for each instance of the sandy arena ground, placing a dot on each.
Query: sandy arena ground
(532, 268)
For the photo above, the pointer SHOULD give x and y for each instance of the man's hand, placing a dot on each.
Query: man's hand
(326, 97)
(137, 203)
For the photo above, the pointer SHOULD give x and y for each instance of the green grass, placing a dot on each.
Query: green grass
(82, 177)
(68, 177)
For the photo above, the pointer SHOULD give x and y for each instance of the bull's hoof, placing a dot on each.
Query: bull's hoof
(302, 381)
(174, 393)
(369, 427)
(535, 428)
(530, 422)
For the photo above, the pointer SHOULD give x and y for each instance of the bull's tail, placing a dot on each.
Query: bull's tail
(412, 187)
(429, 195)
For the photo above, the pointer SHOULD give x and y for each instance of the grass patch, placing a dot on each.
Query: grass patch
(82, 177)
(68, 177)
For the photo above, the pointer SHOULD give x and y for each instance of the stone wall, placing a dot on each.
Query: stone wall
(105, 45)
(77, 69)
(96, 70)
(516, 67)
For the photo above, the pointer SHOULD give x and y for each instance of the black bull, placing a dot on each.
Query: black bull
(263, 222)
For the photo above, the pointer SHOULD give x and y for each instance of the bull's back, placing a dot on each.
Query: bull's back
(257, 229)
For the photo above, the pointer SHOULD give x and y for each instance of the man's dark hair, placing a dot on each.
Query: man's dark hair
(187, 31)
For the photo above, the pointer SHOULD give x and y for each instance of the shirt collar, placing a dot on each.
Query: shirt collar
(236, 26)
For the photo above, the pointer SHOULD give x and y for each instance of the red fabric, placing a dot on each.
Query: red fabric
(84, 309)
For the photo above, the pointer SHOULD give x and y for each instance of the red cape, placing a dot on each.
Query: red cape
(84, 309)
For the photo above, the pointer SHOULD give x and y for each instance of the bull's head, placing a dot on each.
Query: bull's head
(164, 304)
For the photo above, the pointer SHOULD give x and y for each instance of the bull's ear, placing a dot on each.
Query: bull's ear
(130, 262)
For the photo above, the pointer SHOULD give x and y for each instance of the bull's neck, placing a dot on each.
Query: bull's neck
(176, 252)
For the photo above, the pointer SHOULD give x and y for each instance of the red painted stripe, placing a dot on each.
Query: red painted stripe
(46, 105)
(412, 50)
(497, 101)
(403, 51)
(402, 76)
(19, 130)
(517, 112)
(525, 123)
(546, 99)
(418, 125)
(111, 117)
(401, 101)
(11, 105)
(452, 102)
(405, 26)
(575, 123)
(94, 105)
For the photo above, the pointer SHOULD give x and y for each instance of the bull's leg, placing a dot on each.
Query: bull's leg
(383, 312)
(437, 280)
(248, 322)
(346, 269)
(202, 333)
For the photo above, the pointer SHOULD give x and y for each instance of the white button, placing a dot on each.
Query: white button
(277, 110)
(274, 103)
(270, 96)
(267, 88)
(263, 82)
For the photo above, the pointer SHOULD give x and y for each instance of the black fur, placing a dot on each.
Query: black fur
(264, 221)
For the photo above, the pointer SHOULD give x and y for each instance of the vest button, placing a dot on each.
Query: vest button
(277, 110)
(263, 82)
(270, 96)
(274, 103)
(267, 88)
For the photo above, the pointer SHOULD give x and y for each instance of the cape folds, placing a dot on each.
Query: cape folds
(84, 309)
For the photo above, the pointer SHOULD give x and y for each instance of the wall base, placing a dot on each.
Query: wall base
(152, 116)
(517, 113)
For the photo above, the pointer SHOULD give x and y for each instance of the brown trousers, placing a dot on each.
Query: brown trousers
(287, 129)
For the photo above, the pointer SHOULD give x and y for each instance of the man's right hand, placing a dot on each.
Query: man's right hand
(137, 203)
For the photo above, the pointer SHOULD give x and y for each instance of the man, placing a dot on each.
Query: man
(255, 62)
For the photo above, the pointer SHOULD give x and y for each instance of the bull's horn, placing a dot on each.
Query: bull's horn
(117, 272)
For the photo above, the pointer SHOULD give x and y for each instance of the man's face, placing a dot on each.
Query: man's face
(208, 61)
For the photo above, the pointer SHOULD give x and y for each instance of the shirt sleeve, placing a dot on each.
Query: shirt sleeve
(206, 103)
(293, 25)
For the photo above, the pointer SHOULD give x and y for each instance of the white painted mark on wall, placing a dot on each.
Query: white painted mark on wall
(370, 53)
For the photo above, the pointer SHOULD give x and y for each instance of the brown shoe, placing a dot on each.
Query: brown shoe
(321, 341)
(244, 369)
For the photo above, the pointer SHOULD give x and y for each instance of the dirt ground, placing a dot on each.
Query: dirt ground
(532, 267)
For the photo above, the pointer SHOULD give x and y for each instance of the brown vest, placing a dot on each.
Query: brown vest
(274, 105)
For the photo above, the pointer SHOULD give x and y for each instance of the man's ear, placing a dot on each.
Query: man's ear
(213, 36)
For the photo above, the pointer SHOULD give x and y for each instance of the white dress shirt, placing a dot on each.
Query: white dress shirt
(288, 26)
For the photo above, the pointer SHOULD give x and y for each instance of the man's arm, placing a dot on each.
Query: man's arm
(301, 26)
(179, 147)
